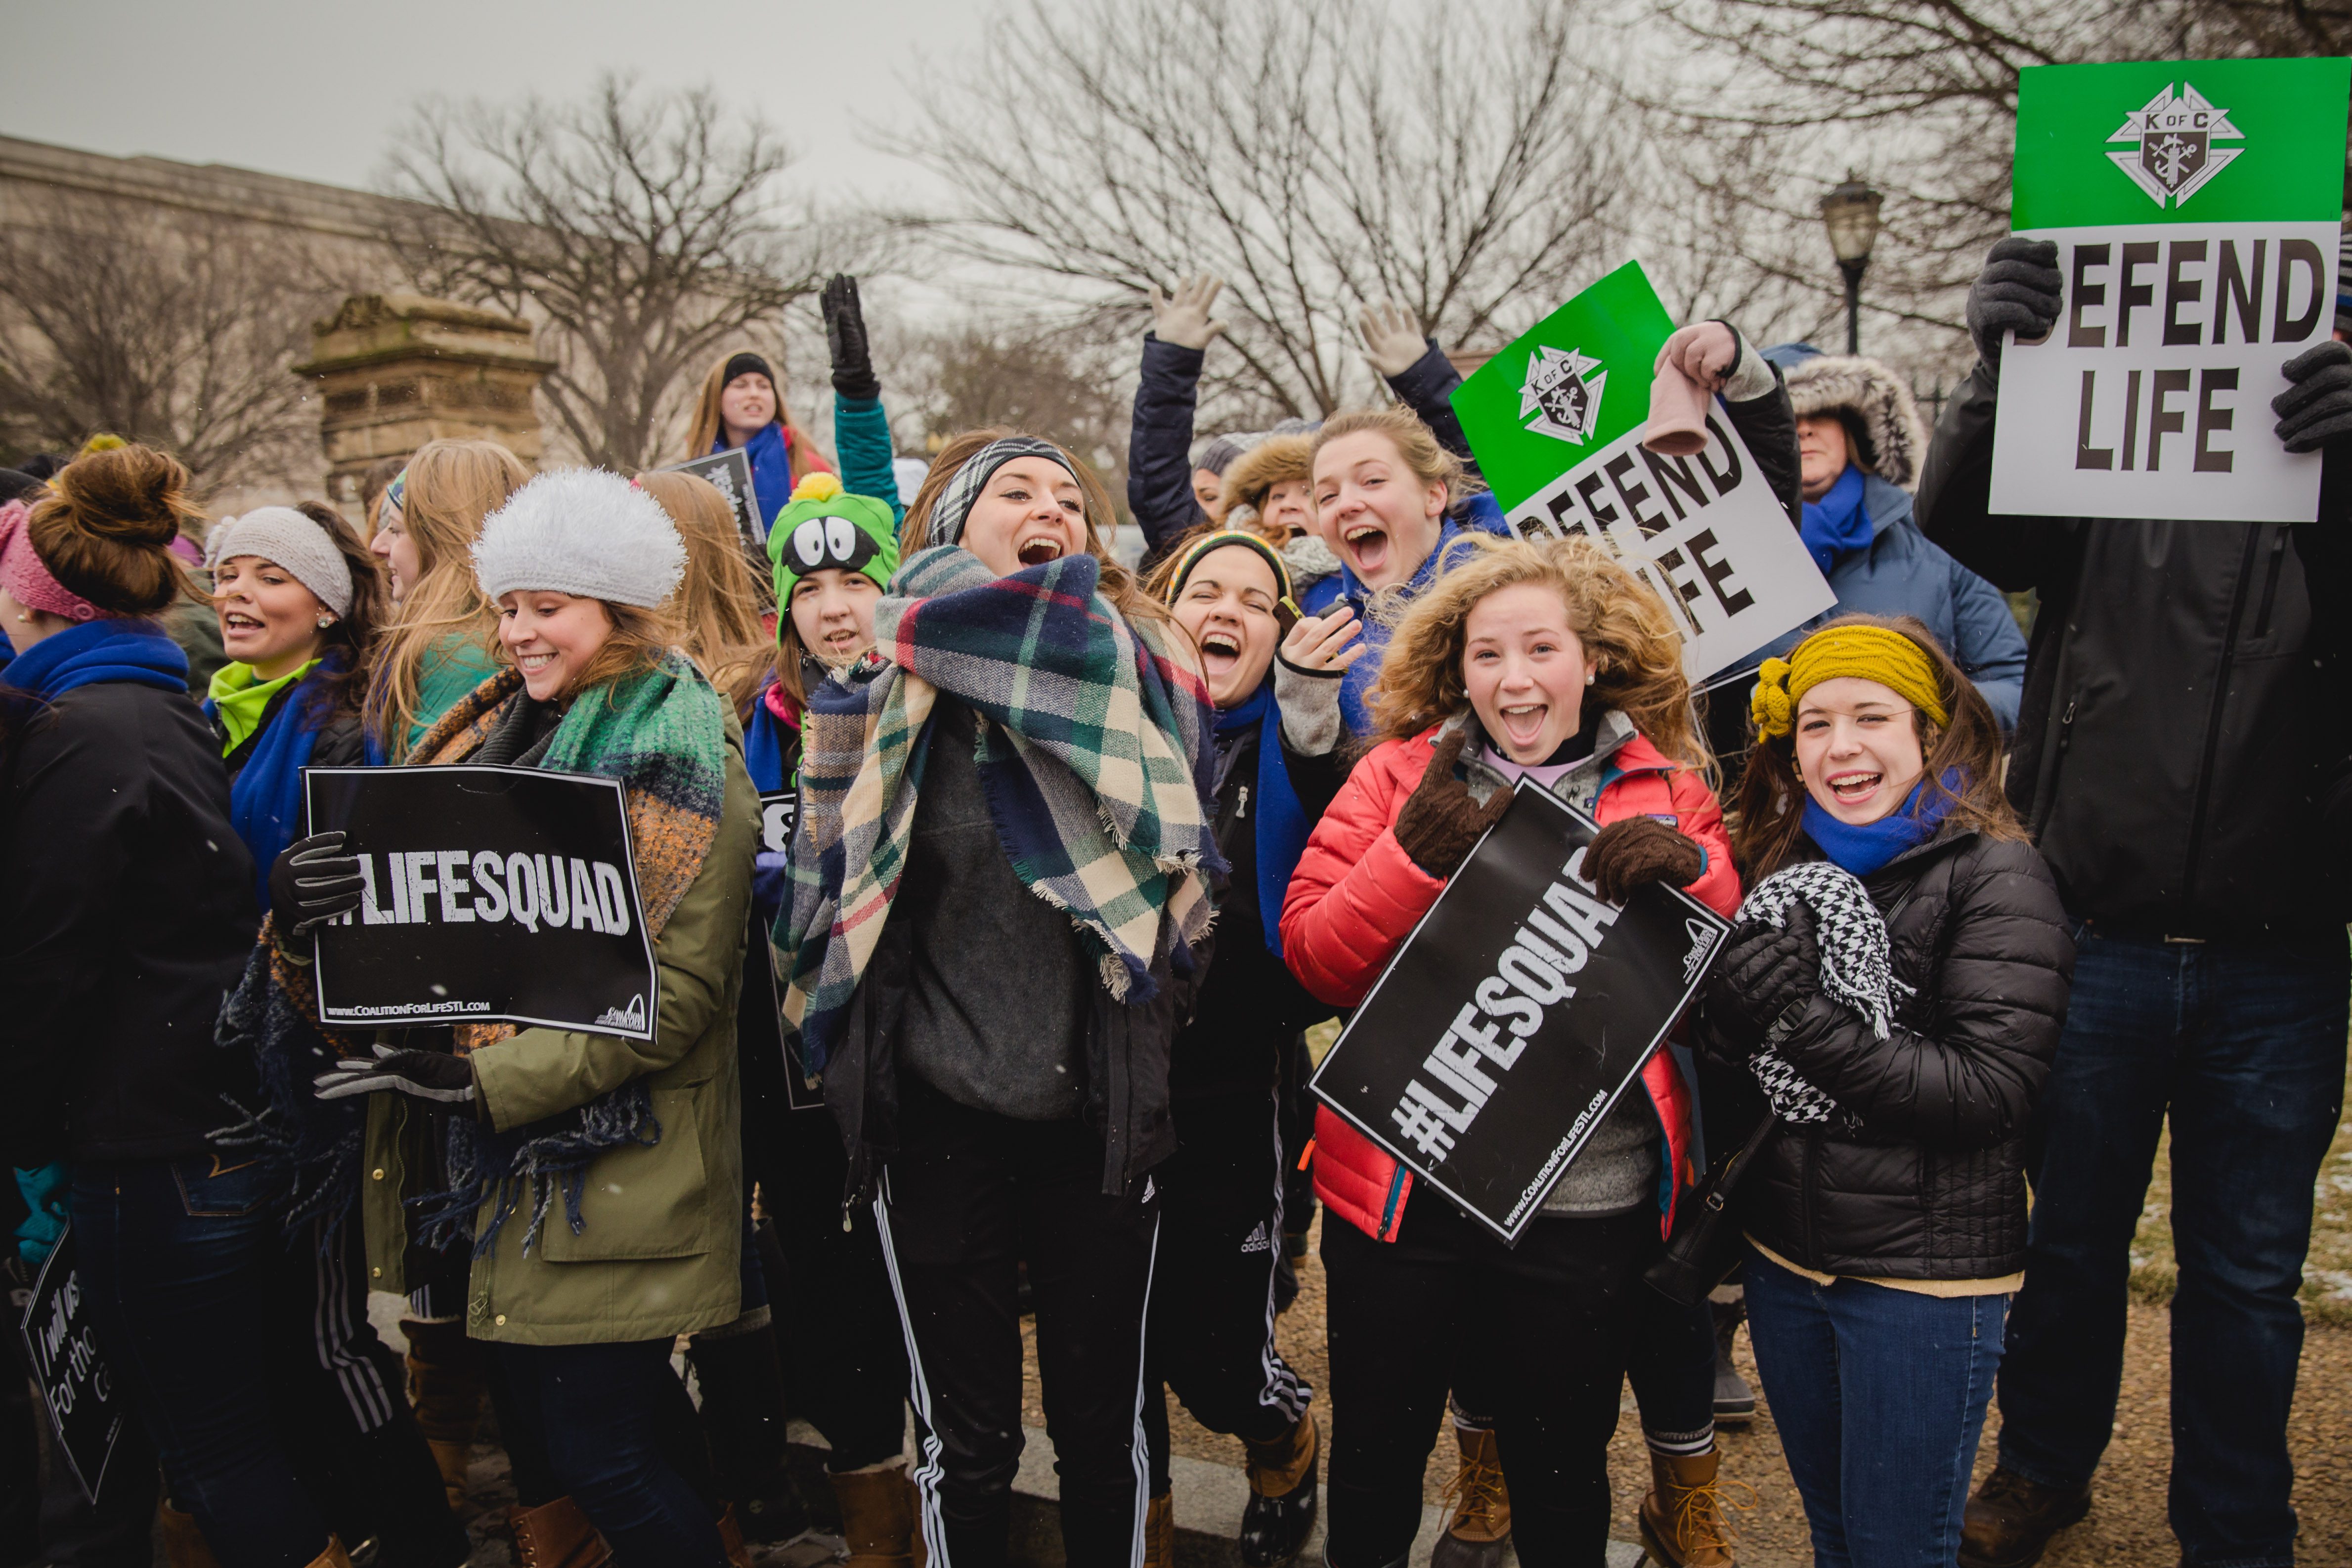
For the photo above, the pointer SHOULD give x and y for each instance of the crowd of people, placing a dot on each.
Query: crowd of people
(1013, 1023)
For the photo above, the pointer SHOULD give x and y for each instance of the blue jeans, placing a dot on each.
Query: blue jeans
(1879, 1396)
(178, 1256)
(620, 1437)
(2244, 1047)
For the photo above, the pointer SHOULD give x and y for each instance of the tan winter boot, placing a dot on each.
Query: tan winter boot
(446, 1386)
(556, 1535)
(877, 1517)
(184, 1545)
(1159, 1533)
(731, 1539)
(1481, 1528)
(334, 1556)
(1683, 1522)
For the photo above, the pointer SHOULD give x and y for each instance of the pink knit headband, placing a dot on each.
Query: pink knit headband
(24, 576)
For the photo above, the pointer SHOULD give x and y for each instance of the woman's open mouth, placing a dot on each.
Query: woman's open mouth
(1853, 789)
(238, 624)
(1038, 549)
(1220, 651)
(844, 642)
(1367, 544)
(1523, 723)
(532, 663)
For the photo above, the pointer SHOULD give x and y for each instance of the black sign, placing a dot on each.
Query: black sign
(85, 1405)
(493, 894)
(1516, 1014)
(729, 473)
(803, 1090)
(778, 808)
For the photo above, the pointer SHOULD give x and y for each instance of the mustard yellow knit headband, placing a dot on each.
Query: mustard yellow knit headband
(1870, 653)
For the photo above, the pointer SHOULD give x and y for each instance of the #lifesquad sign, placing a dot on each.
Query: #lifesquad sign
(492, 895)
(1514, 1015)
(1557, 421)
(2195, 206)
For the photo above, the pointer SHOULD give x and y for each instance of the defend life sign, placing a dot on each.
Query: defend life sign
(1557, 421)
(491, 895)
(2195, 206)
(1516, 1015)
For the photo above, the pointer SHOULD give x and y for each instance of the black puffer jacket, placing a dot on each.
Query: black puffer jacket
(1932, 1186)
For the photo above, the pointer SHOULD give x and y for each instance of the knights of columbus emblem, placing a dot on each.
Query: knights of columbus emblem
(2173, 153)
(1561, 396)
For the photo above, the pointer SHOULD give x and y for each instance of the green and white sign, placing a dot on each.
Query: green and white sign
(1556, 421)
(2195, 206)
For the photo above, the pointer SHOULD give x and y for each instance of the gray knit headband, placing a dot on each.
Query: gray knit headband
(955, 503)
(291, 539)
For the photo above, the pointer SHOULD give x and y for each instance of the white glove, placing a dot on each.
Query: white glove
(1182, 319)
(1306, 671)
(1392, 338)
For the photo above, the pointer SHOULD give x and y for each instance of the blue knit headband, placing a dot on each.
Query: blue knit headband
(955, 503)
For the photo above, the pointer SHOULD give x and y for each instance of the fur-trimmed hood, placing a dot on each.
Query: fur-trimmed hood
(1271, 462)
(1882, 413)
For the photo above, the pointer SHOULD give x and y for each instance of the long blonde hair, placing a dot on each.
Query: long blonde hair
(718, 605)
(452, 486)
(800, 449)
(1630, 642)
(1119, 586)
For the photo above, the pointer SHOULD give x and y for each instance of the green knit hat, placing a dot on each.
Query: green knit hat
(826, 526)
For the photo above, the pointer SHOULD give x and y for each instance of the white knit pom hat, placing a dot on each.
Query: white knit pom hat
(584, 531)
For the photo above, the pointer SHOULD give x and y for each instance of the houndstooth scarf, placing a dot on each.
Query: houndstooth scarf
(1856, 970)
(1094, 756)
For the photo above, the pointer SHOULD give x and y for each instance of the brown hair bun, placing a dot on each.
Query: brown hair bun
(105, 529)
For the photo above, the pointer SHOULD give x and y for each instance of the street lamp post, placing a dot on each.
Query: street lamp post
(1849, 213)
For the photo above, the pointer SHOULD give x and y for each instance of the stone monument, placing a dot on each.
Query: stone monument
(396, 371)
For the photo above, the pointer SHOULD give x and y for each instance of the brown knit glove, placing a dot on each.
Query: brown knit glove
(1627, 853)
(1440, 822)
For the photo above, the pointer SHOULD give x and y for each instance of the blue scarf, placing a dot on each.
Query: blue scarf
(265, 799)
(772, 468)
(1453, 547)
(1836, 524)
(1280, 836)
(1866, 848)
(111, 649)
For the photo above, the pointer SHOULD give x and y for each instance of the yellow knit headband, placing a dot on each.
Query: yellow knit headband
(1870, 653)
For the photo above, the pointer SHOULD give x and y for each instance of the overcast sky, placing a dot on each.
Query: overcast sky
(313, 89)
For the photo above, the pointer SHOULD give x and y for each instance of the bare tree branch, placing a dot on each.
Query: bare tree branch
(641, 232)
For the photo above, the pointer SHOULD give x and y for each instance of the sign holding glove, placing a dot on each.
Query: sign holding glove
(2173, 272)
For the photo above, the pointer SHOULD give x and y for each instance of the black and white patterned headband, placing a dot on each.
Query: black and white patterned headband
(955, 503)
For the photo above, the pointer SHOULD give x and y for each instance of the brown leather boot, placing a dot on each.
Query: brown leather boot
(1481, 1528)
(1683, 1522)
(334, 1556)
(556, 1535)
(877, 1517)
(446, 1386)
(1159, 1533)
(731, 1539)
(2010, 1520)
(184, 1545)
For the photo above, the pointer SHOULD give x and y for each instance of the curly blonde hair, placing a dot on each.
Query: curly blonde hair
(1637, 655)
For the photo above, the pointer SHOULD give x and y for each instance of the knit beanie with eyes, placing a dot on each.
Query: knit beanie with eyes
(826, 526)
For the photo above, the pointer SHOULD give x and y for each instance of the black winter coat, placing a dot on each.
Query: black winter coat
(1243, 1006)
(2182, 725)
(1932, 1185)
(1160, 446)
(126, 915)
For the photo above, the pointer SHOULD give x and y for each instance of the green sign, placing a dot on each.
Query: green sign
(2179, 142)
(1577, 381)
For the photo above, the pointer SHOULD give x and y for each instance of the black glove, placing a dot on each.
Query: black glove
(2021, 289)
(1635, 851)
(2317, 406)
(1763, 970)
(423, 1074)
(844, 334)
(313, 882)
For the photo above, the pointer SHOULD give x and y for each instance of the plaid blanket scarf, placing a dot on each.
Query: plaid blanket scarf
(1095, 759)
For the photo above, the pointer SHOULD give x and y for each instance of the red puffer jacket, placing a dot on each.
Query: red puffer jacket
(1357, 895)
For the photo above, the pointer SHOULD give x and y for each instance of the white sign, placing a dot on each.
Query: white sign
(2151, 396)
(1706, 532)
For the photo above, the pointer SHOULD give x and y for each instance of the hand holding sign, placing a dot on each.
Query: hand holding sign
(2317, 406)
(1440, 822)
(312, 881)
(2019, 290)
(420, 1075)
